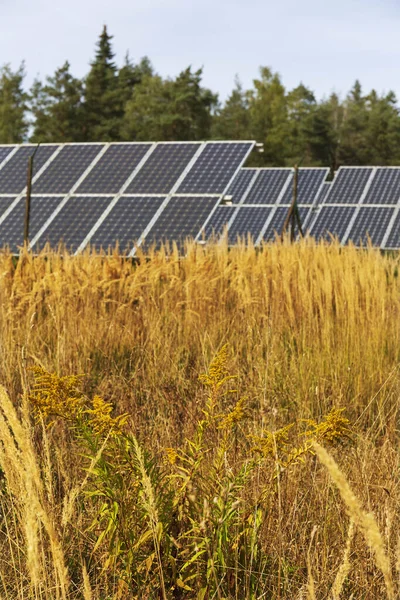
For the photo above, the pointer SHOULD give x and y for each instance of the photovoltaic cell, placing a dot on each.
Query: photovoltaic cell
(4, 152)
(74, 221)
(248, 222)
(348, 185)
(371, 224)
(5, 202)
(162, 169)
(219, 220)
(113, 169)
(393, 241)
(182, 218)
(13, 175)
(214, 168)
(12, 228)
(385, 187)
(332, 221)
(268, 186)
(65, 170)
(308, 184)
(240, 184)
(126, 222)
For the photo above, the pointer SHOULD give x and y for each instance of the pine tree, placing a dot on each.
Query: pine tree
(103, 105)
(301, 106)
(57, 108)
(13, 107)
(169, 110)
(232, 121)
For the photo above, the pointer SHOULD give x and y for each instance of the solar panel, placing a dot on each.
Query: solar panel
(182, 218)
(12, 228)
(126, 222)
(332, 221)
(66, 169)
(5, 202)
(349, 185)
(371, 224)
(240, 184)
(162, 169)
(74, 221)
(248, 221)
(308, 184)
(13, 175)
(218, 221)
(113, 169)
(385, 187)
(215, 167)
(4, 152)
(268, 186)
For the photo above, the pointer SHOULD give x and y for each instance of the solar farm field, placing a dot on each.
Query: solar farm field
(222, 424)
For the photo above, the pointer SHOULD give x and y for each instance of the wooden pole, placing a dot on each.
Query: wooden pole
(28, 200)
(293, 216)
(28, 196)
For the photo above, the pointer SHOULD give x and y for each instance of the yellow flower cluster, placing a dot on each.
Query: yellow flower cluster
(55, 396)
(333, 427)
(272, 444)
(218, 373)
(236, 415)
(100, 418)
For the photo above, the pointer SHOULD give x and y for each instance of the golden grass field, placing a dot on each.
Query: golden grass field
(173, 429)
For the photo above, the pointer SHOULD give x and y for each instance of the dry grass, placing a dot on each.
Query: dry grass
(308, 328)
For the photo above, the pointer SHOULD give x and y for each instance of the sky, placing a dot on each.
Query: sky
(325, 45)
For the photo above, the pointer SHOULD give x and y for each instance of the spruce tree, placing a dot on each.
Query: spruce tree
(57, 108)
(103, 105)
(13, 107)
(232, 121)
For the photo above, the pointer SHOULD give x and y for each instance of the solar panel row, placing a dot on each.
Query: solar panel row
(147, 193)
(108, 194)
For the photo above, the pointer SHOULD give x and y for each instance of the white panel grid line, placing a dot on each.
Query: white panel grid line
(34, 179)
(202, 228)
(356, 212)
(67, 197)
(390, 226)
(114, 201)
(268, 220)
(9, 156)
(150, 225)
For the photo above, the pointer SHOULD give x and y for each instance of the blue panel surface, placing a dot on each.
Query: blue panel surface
(162, 169)
(393, 241)
(66, 169)
(275, 227)
(4, 152)
(126, 222)
(332, 221)
(74, 221)
(249, 221)
(218, 222)
(240, 184)
(13, 175)
(113, 169)
(349, 185)
(370, 225)
(268, 186)
(385, 187)
(182, 218)
(214, 168)
(12, 228)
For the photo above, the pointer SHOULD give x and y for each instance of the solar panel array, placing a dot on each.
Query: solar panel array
(114, 194)
(128, 195)
(260, 203)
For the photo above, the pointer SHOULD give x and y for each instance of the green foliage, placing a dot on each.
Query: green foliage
(13, 117)
(57, 108)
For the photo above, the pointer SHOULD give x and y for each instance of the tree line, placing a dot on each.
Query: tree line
(133, 102)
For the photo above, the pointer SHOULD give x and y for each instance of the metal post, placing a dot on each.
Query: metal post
(28, 196)
(293, 213)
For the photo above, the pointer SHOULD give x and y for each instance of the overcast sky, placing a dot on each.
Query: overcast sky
(326, 45)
